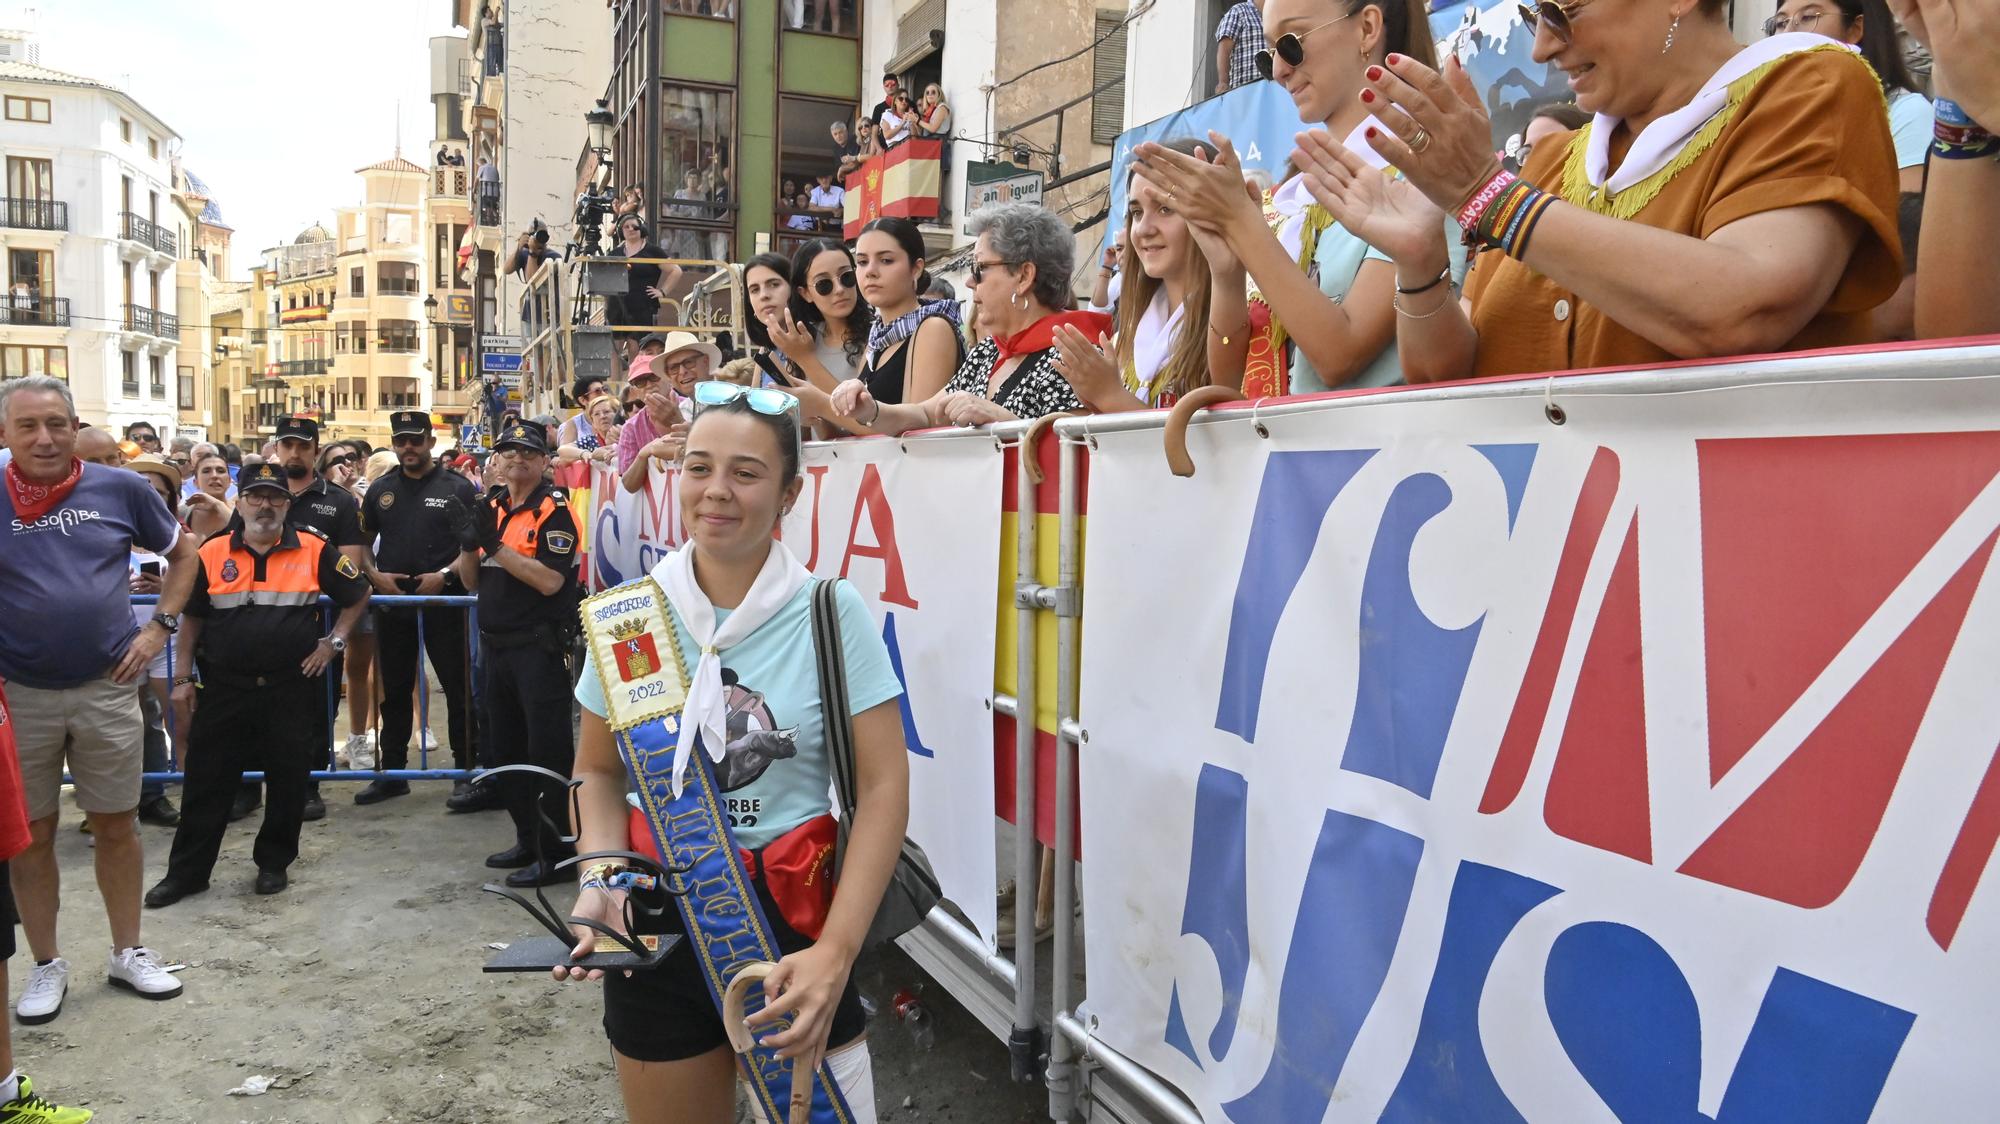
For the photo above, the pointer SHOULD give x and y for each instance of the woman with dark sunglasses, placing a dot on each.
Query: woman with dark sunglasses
(1724, 200)
(913, 346)
(822, 331)
(1316, 285)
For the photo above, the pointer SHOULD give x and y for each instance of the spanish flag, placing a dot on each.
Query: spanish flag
(901, 183)
(1048, 532)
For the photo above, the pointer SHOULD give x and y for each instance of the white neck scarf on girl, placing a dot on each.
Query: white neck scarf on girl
(1292, 197)
(707, 710)
(1656, 146)
(1153, 339)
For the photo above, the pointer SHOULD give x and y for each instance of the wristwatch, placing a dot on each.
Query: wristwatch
(169, 621)
(337, 643)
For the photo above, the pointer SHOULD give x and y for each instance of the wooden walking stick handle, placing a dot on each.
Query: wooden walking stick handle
(1175, 436)
(739, 1037)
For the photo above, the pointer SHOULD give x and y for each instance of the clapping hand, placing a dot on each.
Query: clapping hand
(1438, 134)
(1387, 212)
(1207, 189)
(1088, 366)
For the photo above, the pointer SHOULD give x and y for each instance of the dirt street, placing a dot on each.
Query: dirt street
(360, 990)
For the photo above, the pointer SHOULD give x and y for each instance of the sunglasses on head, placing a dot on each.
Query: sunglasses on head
(1556, 16)
(1291, 48)
(824, 286)
(763, 399)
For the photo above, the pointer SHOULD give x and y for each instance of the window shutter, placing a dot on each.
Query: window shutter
(1107, 64)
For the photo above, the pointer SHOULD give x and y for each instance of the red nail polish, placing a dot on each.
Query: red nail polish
(1371, 132)
(1375, 73)
(1368, 96)
(1395, 60)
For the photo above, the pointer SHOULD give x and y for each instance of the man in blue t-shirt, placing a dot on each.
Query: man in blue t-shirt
(70, 656)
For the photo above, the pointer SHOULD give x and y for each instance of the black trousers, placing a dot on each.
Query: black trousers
(238, 727)
(524, 697)
(396, 645)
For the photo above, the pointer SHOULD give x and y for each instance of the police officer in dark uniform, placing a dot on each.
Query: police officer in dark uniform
(335, 514)
(410, 510)
(519, 551)
(254, 633)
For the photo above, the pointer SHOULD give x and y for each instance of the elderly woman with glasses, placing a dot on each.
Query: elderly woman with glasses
(1021, 269)
(1723, 200)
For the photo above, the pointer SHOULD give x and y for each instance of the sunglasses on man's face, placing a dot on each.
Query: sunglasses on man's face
(1556, 16)
(338, 462)
(634, 406)
(824, 286)
(1291, 48)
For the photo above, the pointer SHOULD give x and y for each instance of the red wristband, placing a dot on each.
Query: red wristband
(1468, 216)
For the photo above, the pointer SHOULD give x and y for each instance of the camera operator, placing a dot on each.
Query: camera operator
(645, 286)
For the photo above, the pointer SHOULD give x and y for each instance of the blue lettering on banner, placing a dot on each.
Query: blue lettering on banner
(911, 737)
(1411, 671)
(606, 533)
(1351, 909)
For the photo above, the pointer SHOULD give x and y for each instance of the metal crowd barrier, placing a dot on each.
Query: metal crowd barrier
(420, 727)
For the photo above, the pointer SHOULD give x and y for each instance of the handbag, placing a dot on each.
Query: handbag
(913, 887)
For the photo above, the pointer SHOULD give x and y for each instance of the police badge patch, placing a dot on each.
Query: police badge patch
(229, 570)
(345, 568)
(558, 542)
(388, 500)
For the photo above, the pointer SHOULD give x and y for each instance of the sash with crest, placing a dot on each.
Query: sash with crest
(631, 636)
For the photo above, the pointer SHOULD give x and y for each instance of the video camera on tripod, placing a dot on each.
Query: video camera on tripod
(591, 208)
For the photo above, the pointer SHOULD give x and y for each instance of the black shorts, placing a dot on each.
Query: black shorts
(665, 1014)
(7, 913)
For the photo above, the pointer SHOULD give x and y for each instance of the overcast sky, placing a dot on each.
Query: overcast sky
(276, 102)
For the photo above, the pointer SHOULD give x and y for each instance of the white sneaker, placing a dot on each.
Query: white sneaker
(138, 970)
(43, 999)
(361, 751)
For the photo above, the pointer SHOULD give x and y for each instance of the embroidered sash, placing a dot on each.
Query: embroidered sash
(644, 691)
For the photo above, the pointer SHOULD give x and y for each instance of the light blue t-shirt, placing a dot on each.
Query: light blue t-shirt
(1911, 127)
(1337, 258)
(775, 774)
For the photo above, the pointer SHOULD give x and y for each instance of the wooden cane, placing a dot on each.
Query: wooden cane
(740, 1041)
(1175, 435)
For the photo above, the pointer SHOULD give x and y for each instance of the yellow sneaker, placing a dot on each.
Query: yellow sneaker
(27, 1108)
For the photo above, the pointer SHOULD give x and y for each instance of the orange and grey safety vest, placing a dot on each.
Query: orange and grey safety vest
(260, 613)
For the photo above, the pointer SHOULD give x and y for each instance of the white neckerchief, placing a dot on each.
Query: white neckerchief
(1291, 198)
(707, 711)
(1661, 141)
(1153, 339)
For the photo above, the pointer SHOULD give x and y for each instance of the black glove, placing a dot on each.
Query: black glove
(458, 518)
(486, 525)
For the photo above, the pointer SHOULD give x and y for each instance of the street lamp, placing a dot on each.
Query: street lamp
(431, 309)
(600, 123)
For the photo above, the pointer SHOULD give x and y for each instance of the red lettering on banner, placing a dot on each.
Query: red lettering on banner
(882, 521)
(1968, 858)
(659, 507)
(1598, 792)
(817, 473)
(1531, 707)
(1779, 605)
(1801, 836)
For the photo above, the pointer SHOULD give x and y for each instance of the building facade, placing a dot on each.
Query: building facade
(204, 239)
(300, 279)
(377, 319)
(536, 69)
(89, 234)
(451, 264)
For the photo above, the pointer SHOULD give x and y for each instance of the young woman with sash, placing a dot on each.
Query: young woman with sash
(1724, 200)
(1317, 286)
(1165, 347)
(914, 344)
(702, 700)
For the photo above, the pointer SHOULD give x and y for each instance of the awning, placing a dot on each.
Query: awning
(926, 46)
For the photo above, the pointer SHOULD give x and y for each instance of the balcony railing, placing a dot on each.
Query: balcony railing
(152, 322)
(148, 233)
(34, 214)
(43, 312)
(488, 200)
(304, 368)
(449, 180)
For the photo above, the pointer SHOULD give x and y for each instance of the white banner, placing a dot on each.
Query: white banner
(1445, 764)
(917, 533)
